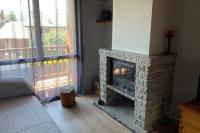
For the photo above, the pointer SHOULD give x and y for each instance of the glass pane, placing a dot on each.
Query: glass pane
(15, 35)
(57, 22)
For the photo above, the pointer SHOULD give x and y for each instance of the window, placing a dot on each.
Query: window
(20, 34)
(38, 42)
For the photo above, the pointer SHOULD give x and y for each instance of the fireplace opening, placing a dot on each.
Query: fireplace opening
(122, 75)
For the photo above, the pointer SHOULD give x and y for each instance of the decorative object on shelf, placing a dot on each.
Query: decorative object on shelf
(170, 35)
(105, 16)
(198, 91)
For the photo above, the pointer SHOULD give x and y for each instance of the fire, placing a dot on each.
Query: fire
(120, 71)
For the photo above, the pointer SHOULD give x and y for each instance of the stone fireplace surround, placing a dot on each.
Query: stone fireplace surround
(154, 77)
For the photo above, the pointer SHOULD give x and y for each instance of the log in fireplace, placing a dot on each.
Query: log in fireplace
(123, 75)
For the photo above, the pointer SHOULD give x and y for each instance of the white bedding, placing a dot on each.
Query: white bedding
(25, 115)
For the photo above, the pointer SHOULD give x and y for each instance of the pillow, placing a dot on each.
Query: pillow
(14, 86)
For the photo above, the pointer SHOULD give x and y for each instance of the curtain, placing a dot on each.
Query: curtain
(18, 43)
(53, 74)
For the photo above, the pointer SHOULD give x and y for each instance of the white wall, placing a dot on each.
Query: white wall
(161, 22)
(131, 25)
(187, 25)
(94, 37)
(139, 25)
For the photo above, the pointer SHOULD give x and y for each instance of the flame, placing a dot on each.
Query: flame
(120, 71)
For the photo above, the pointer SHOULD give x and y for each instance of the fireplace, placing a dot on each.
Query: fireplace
(123, 75)
(146, 81)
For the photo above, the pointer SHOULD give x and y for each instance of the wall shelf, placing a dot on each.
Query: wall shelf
(103, 21)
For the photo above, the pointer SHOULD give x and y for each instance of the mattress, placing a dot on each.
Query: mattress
(25, 115)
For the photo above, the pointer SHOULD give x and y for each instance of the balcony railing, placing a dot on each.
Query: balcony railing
(56, 72)
(18, 53)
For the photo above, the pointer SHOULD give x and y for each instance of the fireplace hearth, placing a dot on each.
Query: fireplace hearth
(123, 75)
(145, 80)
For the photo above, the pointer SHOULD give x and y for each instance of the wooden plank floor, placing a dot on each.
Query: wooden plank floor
(86, 118)
(83, 118)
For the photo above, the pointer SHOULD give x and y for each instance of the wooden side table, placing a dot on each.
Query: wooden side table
(190, 117)
(67, 96)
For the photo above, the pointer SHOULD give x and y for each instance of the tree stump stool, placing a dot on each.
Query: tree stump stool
(67, 96)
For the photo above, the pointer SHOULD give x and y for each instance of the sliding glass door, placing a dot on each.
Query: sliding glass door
(38, 43)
